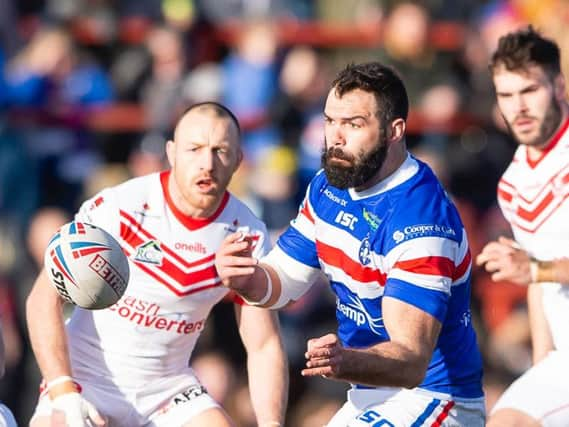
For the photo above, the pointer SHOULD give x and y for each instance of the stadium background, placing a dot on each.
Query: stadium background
(89, 90)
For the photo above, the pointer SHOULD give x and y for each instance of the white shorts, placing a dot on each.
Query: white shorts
(395, 407)
(168, 402)
(542, 392)
(6, 417)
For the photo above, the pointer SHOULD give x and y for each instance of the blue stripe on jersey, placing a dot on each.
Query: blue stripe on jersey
(299, 247)
(426, 413)
(429, 300)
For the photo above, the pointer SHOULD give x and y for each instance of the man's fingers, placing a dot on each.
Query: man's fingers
(482, 258)
(313, 372)
(234, 247)
(508, 242)
(492, 266)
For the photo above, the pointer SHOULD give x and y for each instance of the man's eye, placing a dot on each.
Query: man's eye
(355, 125)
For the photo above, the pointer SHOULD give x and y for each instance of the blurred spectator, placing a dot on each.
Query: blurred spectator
(19, 183)
(304, 82)
(273, 181)
(407, 47)
(160, 94)
(250, 76)
(51, 73)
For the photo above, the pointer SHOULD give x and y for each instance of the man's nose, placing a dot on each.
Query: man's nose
(206, 160)
(336, 136)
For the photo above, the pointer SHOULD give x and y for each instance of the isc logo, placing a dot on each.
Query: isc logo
(346, 219)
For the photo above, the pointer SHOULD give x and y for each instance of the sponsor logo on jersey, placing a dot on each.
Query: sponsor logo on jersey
(423, 230)
(335, 198)
(365, 251)
(346, 219)
(186, 396)
(196, 247)
(356, 312)
(150, 253)
(372, 219)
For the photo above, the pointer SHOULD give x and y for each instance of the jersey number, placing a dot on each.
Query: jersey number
(375, 418)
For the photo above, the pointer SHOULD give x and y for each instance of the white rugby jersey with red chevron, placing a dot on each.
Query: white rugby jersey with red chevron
(402, 238)
(151, 332)
(534, 197)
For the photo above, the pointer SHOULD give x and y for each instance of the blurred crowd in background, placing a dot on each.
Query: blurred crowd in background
(90, 89)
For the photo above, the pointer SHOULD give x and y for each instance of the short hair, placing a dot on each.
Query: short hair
(382, 81)
(526, 47)
(215, 107)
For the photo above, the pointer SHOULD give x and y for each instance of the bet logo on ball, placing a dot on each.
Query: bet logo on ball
(86, 265)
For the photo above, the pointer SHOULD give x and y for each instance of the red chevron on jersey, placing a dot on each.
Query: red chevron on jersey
(178, 275)
(530, 213)
(335, 257)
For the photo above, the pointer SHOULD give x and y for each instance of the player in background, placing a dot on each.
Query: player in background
(379, 225)
(533, 195)
(6, 417)
(128, 365)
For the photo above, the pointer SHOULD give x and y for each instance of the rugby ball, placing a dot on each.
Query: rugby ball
(86, 265)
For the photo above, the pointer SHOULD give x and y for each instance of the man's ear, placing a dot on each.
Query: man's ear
(396, 130)
(171, 152)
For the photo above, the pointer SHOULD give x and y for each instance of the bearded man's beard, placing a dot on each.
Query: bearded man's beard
(361, 169)
(551, 121)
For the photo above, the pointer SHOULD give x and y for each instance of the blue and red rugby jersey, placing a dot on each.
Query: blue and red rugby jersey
(402, 238)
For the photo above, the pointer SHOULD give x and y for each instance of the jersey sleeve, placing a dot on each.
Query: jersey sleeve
(102, 211)
(422, 270)
(299, 241)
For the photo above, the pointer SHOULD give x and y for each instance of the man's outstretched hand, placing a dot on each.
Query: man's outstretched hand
(504, 260)
(234, 262)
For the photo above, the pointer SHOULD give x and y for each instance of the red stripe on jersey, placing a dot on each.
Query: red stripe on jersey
(179, 293)
(306, 212)
(137, 236)
(431, 265)
(337, 258)
(536, 226)
(145, 235)
(443, 415)
(530, 215)
(462, 267)
(504, 195)
(187, 279)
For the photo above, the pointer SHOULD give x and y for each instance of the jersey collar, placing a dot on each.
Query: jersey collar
(188, 221)
(407, 170)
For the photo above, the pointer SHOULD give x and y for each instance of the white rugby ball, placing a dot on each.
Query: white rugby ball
(86, 265)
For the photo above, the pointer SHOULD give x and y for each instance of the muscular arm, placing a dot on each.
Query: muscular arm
(266, 363)
(47, 334)
(400, 362)
(542, 342)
